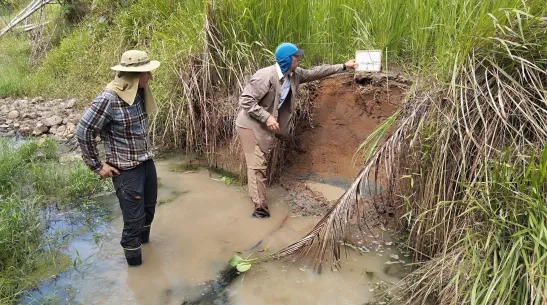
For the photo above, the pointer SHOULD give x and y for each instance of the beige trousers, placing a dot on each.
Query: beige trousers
(256, 167)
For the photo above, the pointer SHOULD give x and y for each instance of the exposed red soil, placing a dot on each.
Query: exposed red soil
(347, 110)
(346, 114)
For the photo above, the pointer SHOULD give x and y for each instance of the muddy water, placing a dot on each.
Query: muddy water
(193, 236)
(330, 192)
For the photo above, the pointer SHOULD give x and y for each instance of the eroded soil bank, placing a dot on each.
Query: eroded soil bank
(324, 160)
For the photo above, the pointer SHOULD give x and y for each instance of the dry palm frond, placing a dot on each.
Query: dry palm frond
(332, 228)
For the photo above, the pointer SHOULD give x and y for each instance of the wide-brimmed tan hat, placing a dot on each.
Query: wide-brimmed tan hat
(136, 61)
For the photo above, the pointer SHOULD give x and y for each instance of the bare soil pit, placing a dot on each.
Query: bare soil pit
(348, 109)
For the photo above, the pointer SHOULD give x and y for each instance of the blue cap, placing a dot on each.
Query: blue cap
(284, 53)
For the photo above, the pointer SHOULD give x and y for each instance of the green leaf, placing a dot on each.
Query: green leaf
(235, 260)
(226, 180)
(243, 266)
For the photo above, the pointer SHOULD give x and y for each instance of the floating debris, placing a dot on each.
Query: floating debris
(360, 249)
(392, 262)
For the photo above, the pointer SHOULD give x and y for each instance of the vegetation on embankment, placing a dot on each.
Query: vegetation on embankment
(466, 163)
(31, 178)
(208, 48)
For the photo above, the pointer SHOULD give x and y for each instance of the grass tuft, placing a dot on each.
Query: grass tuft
(30, 177)
(14, 54)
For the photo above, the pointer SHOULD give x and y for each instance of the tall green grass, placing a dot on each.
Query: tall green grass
(31, 175)
(417, 36)
(20, 241)
(500, 256)
(14, 69)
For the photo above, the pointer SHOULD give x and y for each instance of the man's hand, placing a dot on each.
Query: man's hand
(107, 170)
(351, 64)
(272, 124)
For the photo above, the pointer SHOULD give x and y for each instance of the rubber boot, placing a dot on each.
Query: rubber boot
(261, 212)
(145, 234)
(133, 256)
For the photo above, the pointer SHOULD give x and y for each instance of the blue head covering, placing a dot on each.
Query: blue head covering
(284, 53)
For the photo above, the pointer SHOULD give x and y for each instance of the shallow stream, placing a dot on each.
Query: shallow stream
(200, 224)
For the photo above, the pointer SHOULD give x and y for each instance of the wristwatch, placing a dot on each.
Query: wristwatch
(344, 66)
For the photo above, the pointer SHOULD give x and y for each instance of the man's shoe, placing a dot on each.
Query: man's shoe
(261, 213)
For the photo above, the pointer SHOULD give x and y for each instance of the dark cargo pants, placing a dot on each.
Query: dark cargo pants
(137, 191)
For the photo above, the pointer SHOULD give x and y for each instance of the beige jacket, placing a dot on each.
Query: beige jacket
(259, 100)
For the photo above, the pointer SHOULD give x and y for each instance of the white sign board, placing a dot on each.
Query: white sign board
(368, 60)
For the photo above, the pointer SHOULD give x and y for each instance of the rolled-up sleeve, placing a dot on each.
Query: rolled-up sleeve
(315, 73)
(93, 120)
(249, 100)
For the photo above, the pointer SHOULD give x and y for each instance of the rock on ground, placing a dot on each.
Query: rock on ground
(39, 117)
(13, 114)
(40, 129)
(53, 121)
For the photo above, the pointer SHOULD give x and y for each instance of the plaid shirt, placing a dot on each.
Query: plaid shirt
(122, 128)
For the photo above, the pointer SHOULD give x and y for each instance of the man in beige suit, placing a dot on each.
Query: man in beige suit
(267, 105)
